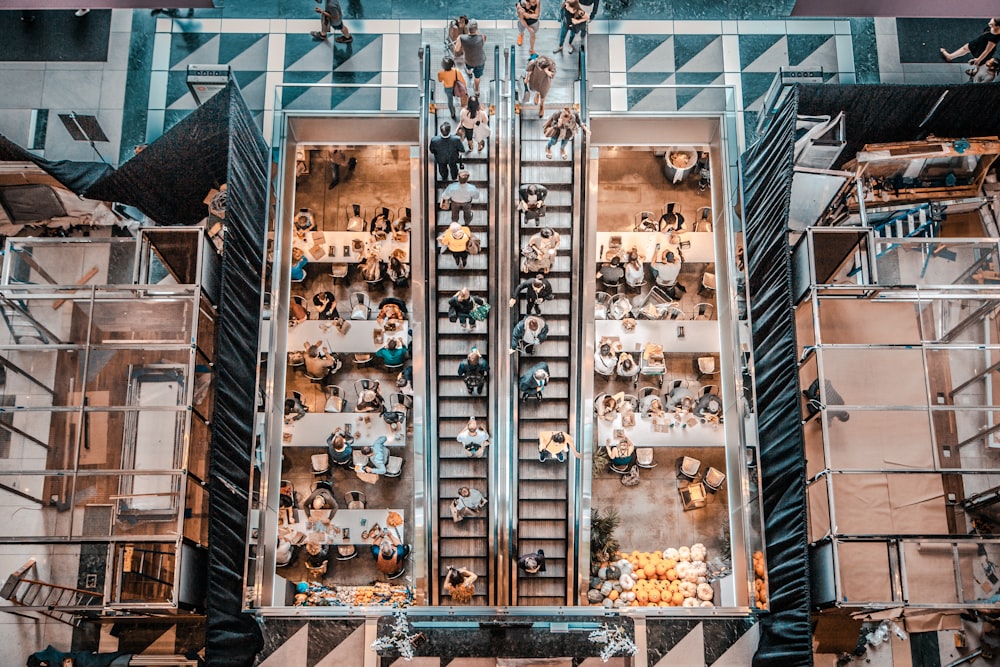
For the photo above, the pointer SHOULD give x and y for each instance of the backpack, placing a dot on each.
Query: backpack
(552, 126)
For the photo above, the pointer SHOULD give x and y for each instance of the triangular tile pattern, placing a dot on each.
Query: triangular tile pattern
(188, 48)
(290, 653)
(178, 94)
(755, 85)
(742, 651)
(344, 653)
(658, 59)
(721, 634)
(771, 59)
(801, 47)
(699, 98)
(698, 52)
(248, 53)
(688, 652)
(662, 99)
(276, 632)
(638, 47)
(752, 47)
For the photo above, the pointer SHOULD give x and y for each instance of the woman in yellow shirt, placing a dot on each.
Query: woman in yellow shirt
(448, 75)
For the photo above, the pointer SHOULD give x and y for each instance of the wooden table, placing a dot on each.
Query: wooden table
(351, 520)
(699, 335)
(359, 338)
(646, 433)
(315, 427)
(333, 244)
(702, 247)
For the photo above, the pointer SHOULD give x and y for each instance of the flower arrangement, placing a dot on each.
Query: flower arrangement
(614, 640)
(399, 638)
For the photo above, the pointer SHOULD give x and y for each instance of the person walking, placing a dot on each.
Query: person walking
(469, 501)
(449, 75)
(979, 48)
(459, 583)
(538, 78)
(528, 333)
(562, 127)
(456, 241)
(474, 438)
(475, 124)
(473, 370)
(460, 308)
(472, 46)
(536, 290)
(528, 12)
(540, 252)
(447, 150)
(532, 563)
(571, 15)
(461, 194)
(532, 383)
(554, 445)
(331, 16)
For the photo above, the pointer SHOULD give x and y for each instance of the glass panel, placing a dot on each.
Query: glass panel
(43, 316)
(135, 505)
(861, 443)
(78, 566)
(35, 505)
(930, 572)
(970, 430)
(69, 261)
(960, 320)
(961, 377)
(35, 440)
(819, 509)
(875, 376)
(196, 513)
(145, 572)
(864, 570)
(815, 457)
(805, 334)
(152, 321)
(859, 321)
(137, 376)
(890, 504)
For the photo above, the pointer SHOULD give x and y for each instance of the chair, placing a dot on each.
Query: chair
(631, 400)
(675, 312)
(339, 271)
(653, 363)
(709, 389)
(714, 479)
(707, 287)
(360, 304)
(644, 457)
(645, 221)
(302, 302)
(705, 366)
(394, 468)
(315, 574)
(688, 468)
(346, 552)
(619, 307)
(677, 384)
(403, 219)
(356, 218)
(704, 311)
(644, 392)
(356, 500)
(335, 399)
(601, 306)
(703, 220)
(320, 463)
(364, 384)
(363, 359)
(385, 214)
(671, 219)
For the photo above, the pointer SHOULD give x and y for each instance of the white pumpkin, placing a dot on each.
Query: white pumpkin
(698, 551)
(688, 589)
(706, 603)
(689, 602)
(682, 569)
(626, 581)
(705, 592)
(684, 553)
(670, 554)
(628, 596)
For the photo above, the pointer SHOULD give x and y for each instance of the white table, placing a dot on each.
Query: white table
(335, 242)
(643, 434)
(315, 427)
(351, 520)
(699, 335)
(359, 338)
(702, 244)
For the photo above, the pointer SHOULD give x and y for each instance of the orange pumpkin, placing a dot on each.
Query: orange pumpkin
(654, 595)
(640, 574)
(613, 595)
(664, 604)
(671, 575)
(661, 569)
(650, 571)
(671, 564)
(677, 599)
(658, 554)
(642, 597)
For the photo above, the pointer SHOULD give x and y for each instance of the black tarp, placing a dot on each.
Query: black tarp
(882, 113)
(785, 636)
(168, 181)
(233, 638)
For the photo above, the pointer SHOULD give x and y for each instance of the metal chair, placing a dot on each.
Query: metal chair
(714, 479)
(394, 468)
(346, 552)
(677, 384)
(704, 311)
(671, 218)
(339, 271)
(356, 218)
(336, 400)
(645, 221)
(320, 463)
(359, 304)
(688, 468)
(619, 307)
(631, 400)
(644, 457)
(646, 391)
(601, 305)
(705, 366)
(303, 302)
(403, 219)
(703, 219)
(386, 215)
(675, 312)
(707, 287)
(398, 410)
(366, 384)
(709, 389)
(653, 364)
(356, 500)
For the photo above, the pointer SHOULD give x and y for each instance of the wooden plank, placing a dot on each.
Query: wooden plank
(82, 281)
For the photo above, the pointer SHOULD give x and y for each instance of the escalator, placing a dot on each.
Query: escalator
(545, 491)
(464, 544)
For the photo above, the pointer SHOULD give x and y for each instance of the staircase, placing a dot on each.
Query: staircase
(22, 326)
(464, 544)
(147, 574)
(60, 603)
(543, 505)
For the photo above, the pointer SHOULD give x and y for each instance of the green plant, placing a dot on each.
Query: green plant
(603, 545)
(600, 461)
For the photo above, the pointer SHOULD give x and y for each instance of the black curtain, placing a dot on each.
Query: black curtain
(169, 180)
(785, 638)
(233, 638)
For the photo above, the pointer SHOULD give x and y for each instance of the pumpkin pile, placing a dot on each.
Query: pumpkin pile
(759, 579)
(318, 595)
(670, 578)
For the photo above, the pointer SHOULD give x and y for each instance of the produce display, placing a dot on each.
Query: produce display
(759, 579)
(318, 595)
(670, 578)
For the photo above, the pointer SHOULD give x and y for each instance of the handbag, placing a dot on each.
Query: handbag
(459, 89)
(474, 247)
(481, 310)
(445, 204)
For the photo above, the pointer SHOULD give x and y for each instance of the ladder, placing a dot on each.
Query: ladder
(61, 603)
